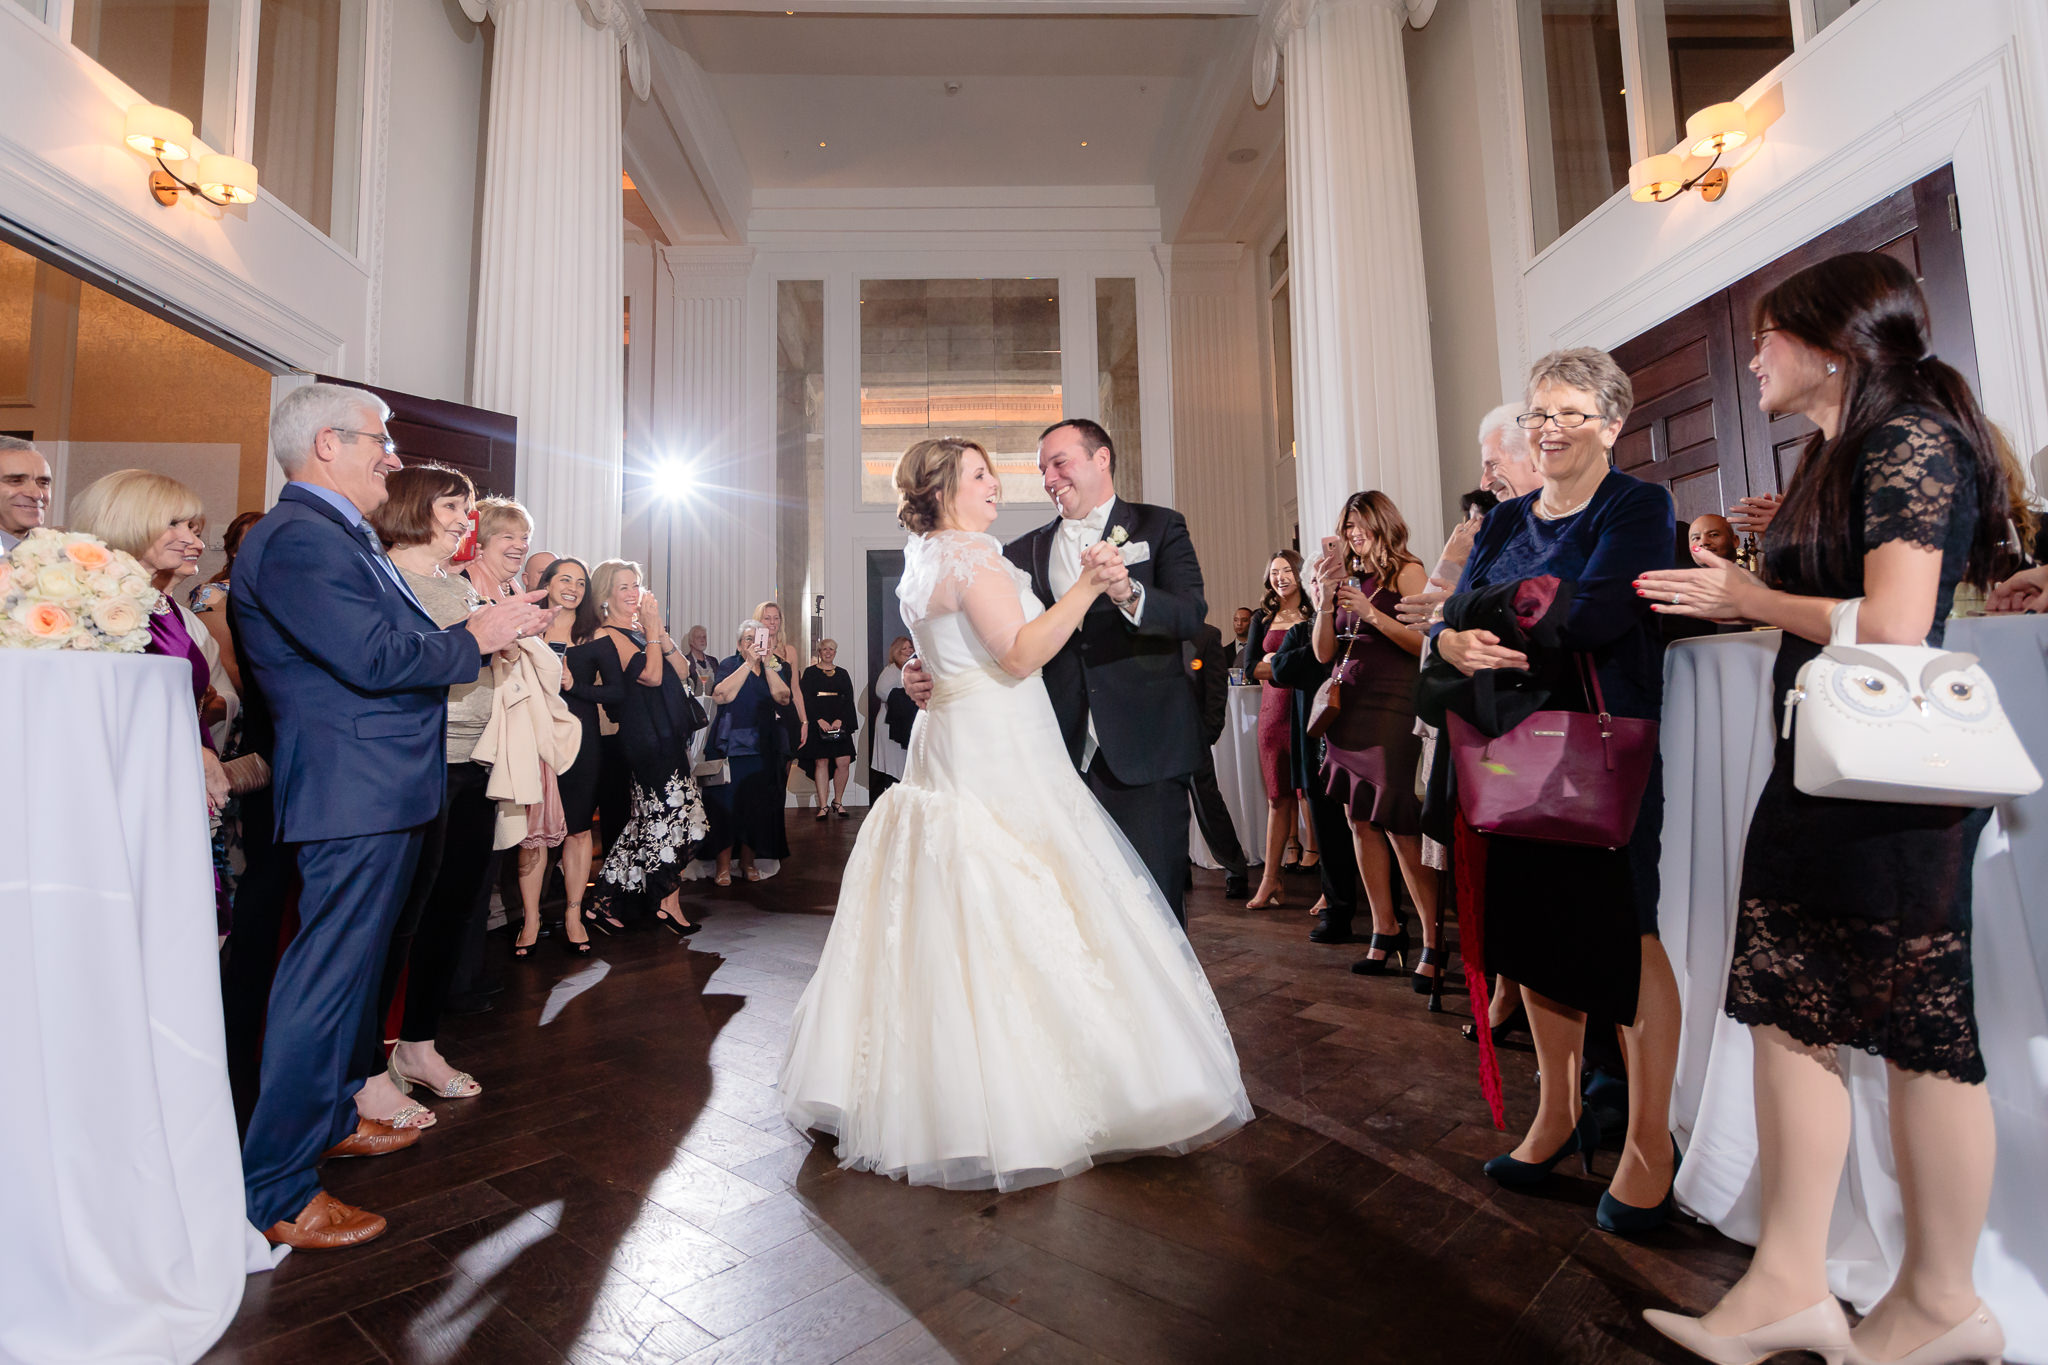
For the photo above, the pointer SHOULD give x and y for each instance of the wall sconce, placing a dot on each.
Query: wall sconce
(165, 133)
(1713, 131)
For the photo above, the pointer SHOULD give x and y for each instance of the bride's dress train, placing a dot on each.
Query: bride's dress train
(1004, 998)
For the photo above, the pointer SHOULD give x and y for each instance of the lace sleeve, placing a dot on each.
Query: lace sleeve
(960, 571)
(1909, 480)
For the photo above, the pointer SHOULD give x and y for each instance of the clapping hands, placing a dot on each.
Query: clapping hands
(497, 625)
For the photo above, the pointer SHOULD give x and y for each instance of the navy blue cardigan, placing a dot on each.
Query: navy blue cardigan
(1626, 530)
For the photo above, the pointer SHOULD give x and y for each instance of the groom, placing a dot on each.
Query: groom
(1119, 686)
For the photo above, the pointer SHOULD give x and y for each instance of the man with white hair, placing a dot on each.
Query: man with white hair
(24, 490)
(1507, 469)
(355, 675)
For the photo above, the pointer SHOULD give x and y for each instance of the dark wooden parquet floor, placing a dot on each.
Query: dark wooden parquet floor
(626, 1190)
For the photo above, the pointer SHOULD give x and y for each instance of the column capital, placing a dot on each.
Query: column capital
(1280, 19)
(625, 20)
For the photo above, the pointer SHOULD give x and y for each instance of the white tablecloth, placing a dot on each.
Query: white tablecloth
(1717, 753)
(1237, 777)
(122, 1236)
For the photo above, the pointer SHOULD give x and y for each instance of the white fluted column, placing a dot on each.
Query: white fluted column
(1364, 391)
(1221, 481)
(711, 549)
(549, 281)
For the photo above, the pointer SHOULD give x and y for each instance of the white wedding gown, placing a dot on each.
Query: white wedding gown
(1004, 998)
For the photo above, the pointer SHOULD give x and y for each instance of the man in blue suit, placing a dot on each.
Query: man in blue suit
(355, 675)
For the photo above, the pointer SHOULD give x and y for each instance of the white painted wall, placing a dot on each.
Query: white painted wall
(1887, 94)
(438, 60)
(397, 309)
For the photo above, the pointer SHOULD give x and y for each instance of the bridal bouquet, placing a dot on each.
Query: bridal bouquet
(67, 590)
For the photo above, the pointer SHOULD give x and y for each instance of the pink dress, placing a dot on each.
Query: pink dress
(1276, 728)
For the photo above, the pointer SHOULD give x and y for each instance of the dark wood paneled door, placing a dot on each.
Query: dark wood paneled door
(481, 443)
(1687, 418)
(1697, 428)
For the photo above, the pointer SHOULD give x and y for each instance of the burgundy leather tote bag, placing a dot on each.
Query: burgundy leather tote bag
(1563, 777)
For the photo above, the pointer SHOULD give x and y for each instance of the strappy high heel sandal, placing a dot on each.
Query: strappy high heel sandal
(1390, 947)
(460, 1086)
(1431, 957)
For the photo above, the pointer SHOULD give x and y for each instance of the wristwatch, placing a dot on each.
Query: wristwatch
(1130, 604)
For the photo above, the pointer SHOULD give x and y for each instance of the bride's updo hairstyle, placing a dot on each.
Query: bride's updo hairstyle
(927, 478)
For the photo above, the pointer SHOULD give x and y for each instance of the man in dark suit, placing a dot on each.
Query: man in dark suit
(354, 674)
(1209, 667)
(1118, 686)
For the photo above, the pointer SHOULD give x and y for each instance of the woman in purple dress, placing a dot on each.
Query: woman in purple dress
(161, 522)
(1373, 747)
(1285, 606)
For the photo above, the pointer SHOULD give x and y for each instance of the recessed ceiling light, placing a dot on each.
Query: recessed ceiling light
(1242, 156)
(1084, 144)
(821, 144)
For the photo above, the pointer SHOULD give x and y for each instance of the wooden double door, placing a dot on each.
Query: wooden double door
(1696, 427)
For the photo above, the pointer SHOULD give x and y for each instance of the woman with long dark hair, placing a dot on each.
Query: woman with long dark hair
(1854, 928)
(1373, 748)
(566, 581)
(1281, 764)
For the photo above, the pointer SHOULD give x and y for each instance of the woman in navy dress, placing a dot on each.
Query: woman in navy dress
(753, 692)
(1577, 926)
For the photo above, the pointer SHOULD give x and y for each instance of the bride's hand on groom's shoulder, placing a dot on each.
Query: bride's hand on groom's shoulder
(916, 681)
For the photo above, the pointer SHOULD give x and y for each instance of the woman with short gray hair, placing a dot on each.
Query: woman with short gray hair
(1577, 926)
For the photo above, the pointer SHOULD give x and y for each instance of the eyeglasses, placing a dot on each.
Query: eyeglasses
(1756, 338)
(390, 446)
(1563, 421)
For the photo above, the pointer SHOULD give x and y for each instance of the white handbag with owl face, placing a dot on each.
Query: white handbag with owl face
(1902, 723)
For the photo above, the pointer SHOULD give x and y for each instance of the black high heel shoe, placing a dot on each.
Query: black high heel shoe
(1436, 957)
(1518, 1020)
(1630, 1220)
(1390, 946)
(1527, 1175)
(675, 926)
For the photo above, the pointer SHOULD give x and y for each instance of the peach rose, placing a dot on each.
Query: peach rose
(6, 576)
(88, 554)
(45, 620)
(117, 615)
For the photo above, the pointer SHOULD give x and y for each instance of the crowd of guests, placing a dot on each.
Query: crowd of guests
(370, 790)
(1561, 587)
(406, 710)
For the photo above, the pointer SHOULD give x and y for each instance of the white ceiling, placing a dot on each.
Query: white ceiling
(1139, 90)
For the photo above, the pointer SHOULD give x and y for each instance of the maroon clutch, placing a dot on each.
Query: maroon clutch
(1564, 777)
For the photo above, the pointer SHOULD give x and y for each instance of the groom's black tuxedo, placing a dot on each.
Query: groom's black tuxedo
(1132, 680)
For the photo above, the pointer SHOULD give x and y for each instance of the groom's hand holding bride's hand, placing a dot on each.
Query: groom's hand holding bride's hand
(916, 681)
(1103, 571)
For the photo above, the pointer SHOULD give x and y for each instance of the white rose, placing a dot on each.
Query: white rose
(58, 582)
(117, 615)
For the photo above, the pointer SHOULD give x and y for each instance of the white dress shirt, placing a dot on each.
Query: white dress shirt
(1063, 570)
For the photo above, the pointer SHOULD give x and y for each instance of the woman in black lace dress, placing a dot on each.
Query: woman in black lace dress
(830, 721)
(639, 685)
(1854, 929)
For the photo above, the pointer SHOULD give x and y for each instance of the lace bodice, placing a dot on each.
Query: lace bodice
(963, 602)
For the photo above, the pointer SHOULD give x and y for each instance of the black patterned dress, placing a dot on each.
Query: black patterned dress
(645, 862)
(1854, 929)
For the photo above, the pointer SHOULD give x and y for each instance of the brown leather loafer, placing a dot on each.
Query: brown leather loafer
(324, 1224)
(372, 1138)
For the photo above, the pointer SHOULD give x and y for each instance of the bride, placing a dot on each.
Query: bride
(1004, 998)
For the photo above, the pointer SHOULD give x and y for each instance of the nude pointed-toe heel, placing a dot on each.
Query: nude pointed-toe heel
(1821, 1328)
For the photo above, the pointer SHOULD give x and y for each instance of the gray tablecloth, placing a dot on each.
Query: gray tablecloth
(1237, 777)
(1717, 753)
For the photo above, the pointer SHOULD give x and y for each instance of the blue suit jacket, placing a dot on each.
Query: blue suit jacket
(355, 676)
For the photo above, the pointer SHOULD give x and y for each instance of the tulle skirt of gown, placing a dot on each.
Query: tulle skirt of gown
(1004, 998)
